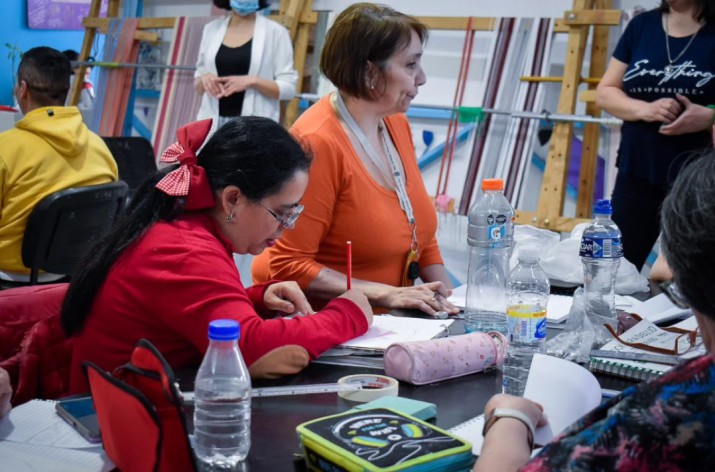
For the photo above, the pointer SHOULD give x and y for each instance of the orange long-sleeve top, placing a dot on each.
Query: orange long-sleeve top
(344, 203)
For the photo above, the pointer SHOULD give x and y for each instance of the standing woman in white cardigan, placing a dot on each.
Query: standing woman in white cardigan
(245, 64)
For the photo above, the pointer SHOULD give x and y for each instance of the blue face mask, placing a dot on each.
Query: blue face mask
(244, 7)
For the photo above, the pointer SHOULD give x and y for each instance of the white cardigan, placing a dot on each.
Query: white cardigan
(271, 58)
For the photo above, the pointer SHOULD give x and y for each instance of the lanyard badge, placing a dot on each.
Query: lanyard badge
(412, 269)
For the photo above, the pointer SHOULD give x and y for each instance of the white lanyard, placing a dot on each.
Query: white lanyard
(400, 187)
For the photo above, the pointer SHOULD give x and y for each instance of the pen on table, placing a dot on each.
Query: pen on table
(349, 251)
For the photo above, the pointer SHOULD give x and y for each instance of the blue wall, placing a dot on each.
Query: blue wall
(14, 30)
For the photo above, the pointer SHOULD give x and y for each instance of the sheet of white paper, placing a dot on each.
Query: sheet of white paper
(471, 431)
(566, 390)
(37, 422)
(22, 457)
(626, 302)
(34, 438)
(459, 297)
(386, 330)
(659, 309)
(557, 309)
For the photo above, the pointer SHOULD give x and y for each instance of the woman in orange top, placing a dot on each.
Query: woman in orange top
(365, 186)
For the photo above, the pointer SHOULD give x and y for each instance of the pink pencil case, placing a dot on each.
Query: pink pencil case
(423, 362)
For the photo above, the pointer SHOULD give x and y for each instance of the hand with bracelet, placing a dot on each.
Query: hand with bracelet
(508, 432)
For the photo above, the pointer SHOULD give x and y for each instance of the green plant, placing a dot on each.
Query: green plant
(13, 53)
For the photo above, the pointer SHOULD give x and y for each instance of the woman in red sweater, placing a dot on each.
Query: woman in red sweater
(167, 270)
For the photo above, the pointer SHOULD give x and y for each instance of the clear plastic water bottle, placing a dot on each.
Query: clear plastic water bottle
(601, 253)
(222, 406)
(490, 237)
(527, 295)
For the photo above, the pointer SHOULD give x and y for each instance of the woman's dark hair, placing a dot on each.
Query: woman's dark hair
(704, 9)
(226, 4)
(364, 34)
(688, 233)
(255, 154)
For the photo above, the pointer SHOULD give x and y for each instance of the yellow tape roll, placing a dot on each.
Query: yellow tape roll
(373, 387)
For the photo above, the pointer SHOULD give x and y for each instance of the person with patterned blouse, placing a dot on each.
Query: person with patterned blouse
(665, 424)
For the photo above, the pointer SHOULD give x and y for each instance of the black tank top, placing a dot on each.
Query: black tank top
(233, 61)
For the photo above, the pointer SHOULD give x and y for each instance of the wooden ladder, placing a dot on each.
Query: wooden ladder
(577, 23)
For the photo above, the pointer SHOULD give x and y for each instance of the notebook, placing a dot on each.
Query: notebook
(387, 329)
(646, 333)
(33, 437)
(660, 309)
(566, 390)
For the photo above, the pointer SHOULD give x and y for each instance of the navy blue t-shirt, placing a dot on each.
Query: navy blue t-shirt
(645, 154)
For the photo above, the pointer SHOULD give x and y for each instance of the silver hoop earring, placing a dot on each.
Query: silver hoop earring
(229, 218)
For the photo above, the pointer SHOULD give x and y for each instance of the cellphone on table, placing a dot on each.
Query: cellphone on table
(79, 412)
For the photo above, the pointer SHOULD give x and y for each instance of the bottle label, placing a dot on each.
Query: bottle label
(601, 248)
(496, 228)
(526, 323)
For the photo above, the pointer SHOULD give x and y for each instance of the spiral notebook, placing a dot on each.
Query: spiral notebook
(628, 369)
(387, 329)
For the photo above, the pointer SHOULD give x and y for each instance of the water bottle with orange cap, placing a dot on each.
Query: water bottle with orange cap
(491, 238)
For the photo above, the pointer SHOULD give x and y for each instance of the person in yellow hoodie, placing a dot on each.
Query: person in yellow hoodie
(50, 149)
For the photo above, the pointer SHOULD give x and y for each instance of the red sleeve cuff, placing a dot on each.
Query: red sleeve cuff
(349, 307)
(256, 293)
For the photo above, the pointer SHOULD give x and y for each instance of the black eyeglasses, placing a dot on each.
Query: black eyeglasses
(672, 291)
(287, 221)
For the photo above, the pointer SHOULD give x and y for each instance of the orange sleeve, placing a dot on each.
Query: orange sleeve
(294, 256)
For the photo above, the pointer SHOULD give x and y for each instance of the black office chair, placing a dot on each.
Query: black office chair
(63, 226)
(135, 159)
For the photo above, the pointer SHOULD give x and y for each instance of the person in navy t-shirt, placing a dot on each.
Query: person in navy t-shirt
(660, 82)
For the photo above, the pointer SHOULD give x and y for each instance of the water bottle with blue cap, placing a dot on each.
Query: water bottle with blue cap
(601, 253)
(222, 408)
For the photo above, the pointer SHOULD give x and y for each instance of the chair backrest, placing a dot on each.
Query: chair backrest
(135, 159)
(63, 226)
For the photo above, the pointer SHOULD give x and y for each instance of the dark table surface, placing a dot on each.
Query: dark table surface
(274, 442)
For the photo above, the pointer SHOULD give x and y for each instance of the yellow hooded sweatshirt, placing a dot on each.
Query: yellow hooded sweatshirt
(49, 150)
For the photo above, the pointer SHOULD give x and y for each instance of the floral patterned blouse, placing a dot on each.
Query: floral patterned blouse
(665, 424)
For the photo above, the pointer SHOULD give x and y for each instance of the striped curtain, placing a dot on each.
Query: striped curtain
(503, 148)
(179, 102)
(114, 85)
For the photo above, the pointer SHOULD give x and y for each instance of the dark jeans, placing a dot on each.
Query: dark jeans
(636, 211)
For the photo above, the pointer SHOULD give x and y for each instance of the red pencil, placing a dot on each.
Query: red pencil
(349, 251)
